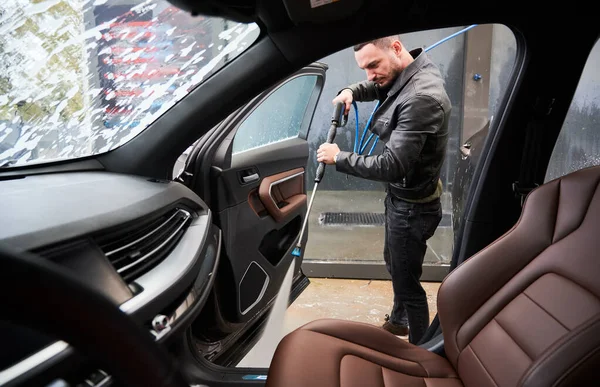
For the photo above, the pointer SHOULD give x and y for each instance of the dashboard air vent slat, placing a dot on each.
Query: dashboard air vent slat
(135, 251)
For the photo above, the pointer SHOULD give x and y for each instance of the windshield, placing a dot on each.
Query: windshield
(82, 77)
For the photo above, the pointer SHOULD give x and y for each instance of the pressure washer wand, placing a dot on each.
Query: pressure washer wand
(337, 120)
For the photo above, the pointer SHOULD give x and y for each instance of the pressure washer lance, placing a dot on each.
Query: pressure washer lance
(338, 120)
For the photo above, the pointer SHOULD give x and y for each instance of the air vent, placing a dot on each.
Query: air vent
(136, 250)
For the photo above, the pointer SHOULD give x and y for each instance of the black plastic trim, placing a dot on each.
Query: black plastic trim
(252, 332)
(143, 311)
(199, 294)
(89, 163)
(42, 210)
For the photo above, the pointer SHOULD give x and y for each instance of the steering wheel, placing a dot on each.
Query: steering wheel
(39, 294)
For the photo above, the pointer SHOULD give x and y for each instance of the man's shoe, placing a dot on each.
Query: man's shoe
(398, 330)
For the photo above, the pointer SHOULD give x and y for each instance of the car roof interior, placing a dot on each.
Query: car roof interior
(552, 48)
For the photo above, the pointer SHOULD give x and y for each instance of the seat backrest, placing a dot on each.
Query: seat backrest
(525, 311)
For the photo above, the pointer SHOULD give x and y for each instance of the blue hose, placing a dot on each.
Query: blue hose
(356, 120)
(449, 37)
(359, 147)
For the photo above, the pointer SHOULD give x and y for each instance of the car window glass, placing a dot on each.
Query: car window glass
(278, 117)
(82, 77)
(578, 144)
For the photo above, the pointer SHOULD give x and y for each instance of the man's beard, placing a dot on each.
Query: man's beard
(390, 78)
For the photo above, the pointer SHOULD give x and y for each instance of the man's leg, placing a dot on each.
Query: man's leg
(398, 322)
(409, 227)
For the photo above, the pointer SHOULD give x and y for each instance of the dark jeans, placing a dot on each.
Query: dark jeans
(407, 227)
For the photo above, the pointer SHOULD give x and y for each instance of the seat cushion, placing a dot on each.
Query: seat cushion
(330, 352)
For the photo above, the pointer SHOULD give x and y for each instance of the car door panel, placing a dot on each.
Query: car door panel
(264, 221)
(258, 196)
(228, 181)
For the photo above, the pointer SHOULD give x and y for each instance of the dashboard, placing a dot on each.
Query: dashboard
(148, 245)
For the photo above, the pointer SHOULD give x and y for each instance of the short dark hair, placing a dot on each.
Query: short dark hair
(384, 42)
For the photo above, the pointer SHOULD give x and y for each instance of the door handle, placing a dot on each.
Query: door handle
(283, 194)
(250, 178)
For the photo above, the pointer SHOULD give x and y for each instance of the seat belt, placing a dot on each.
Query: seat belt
(532, 149)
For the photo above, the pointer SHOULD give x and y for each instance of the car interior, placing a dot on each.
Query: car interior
(119, 268)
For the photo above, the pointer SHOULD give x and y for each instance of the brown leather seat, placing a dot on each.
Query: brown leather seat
(525, 311)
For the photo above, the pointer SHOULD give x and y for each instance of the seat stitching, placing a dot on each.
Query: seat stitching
(364, 346)
(512, 338)
(544, 309)
(482, 366)
(562, 275)
(371, 361)
(565, 275)
(382, 367)
(524, 289)
(533, 280)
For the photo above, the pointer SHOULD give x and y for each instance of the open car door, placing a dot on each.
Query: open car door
(250, 170)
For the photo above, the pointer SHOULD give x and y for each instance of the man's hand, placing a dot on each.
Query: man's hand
(346, 98)
(326, 152)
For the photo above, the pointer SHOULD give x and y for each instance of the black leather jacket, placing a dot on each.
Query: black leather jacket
(412, 122)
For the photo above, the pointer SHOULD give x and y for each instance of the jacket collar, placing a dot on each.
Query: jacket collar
(405, 75)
